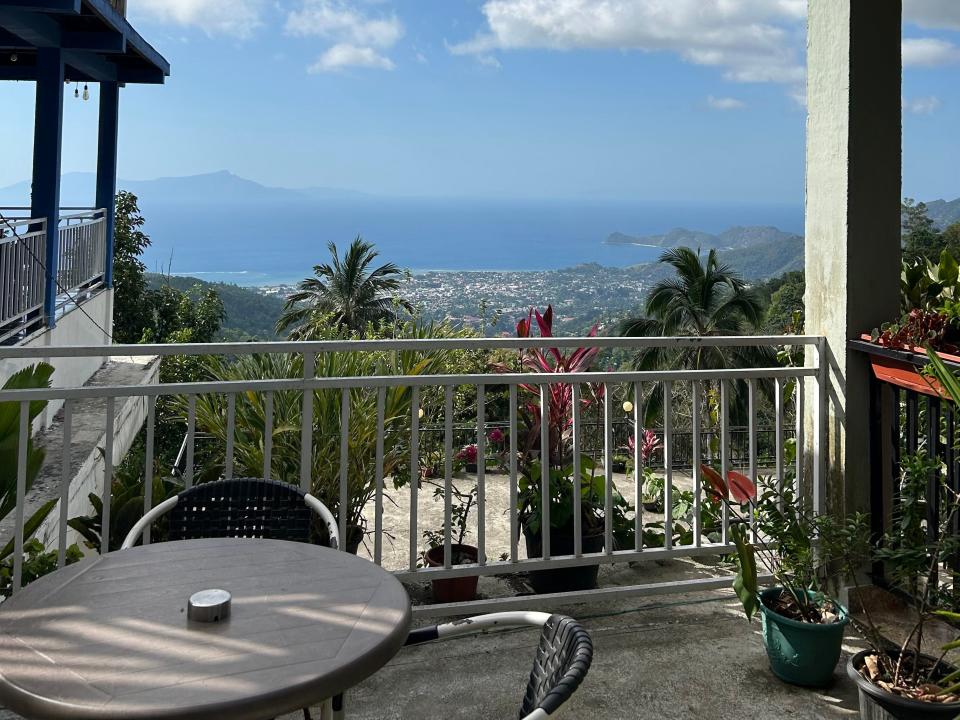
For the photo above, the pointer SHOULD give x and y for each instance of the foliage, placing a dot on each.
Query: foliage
(560, 395)
(346, 292)
(130, 285)
(705, 297)
(249, 441)
(31, 377)
(126, 508)
(37, 562)
(918, 328)
(562, 498)
(912, 552)
(461, 505)
(784, 314)
(920, 236)
(810, 552)
(248, 314)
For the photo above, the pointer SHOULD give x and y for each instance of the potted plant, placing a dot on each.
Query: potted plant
(930, 298)
(899, 680)
(460, 589)
(802, 624)
(562, 509)
(466, 459)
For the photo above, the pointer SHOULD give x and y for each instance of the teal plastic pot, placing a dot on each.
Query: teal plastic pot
(801, 653)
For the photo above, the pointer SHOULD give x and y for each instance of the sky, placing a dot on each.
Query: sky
(653, 100)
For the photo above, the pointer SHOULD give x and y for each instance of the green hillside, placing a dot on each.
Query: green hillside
(250, 315)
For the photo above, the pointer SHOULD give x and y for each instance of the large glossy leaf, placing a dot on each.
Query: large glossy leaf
(745, 583)
(741, 487)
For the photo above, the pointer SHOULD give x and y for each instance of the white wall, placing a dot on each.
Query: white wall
(73, 328)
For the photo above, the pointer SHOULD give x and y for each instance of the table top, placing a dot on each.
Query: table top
(108, 638)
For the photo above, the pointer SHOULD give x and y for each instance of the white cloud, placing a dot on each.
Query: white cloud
(238, 18)
(489, 61)
(335, 20)
(921, 105)
(753, 40)
(725, 103)
(929, 52)
(943, 14)
(344, 55)
(359, 39)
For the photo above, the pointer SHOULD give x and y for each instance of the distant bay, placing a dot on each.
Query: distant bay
(268, 243)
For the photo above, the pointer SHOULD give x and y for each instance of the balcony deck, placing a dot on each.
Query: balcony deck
(671, 658)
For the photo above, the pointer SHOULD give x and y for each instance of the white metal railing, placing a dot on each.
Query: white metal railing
(82, 254)
(343, 393)
(22, 248)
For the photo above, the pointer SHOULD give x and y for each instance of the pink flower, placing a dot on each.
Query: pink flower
(495, 436)
(468, 454)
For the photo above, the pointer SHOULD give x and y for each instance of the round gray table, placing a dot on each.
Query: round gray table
(109, 638)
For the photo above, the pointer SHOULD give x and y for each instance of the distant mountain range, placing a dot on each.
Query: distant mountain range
(732, 239)
(944, 212)
(78, 189)
(756, 251)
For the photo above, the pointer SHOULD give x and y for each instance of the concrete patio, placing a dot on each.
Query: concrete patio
(670, 657)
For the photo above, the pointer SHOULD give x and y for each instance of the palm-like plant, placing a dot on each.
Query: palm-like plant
(345, 293)
(705, 297)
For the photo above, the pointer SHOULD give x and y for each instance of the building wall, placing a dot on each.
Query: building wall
(88, 479)
(73, 328)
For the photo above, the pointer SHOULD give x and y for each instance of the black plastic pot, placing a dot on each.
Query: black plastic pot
(581, 577)
(878, 704)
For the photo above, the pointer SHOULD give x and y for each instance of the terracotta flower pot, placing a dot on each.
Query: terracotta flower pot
(459, 589)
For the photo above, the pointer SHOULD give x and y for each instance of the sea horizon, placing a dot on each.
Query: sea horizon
(279, 245)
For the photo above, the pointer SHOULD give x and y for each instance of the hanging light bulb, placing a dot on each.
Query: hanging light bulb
(420, 413)
(628, 407)
(86, 92)
(13, 57)
(76, 91)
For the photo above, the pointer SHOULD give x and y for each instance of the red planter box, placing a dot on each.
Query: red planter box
(904, 374)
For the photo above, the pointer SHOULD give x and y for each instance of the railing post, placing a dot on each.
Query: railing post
(47, 144)
(822, 393)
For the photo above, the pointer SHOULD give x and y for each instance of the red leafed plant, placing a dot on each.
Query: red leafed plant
(737, 485)
(553, 360)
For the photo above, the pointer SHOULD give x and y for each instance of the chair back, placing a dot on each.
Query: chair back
(563, 659)
(250, 508)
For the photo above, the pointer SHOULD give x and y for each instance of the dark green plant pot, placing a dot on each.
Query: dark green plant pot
(580, 577)
(878, 704)
(801, 653)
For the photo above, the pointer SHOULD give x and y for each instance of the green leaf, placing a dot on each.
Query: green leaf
(29, 527)
(745, 583)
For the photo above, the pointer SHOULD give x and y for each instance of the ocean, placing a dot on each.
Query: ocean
(279, 243)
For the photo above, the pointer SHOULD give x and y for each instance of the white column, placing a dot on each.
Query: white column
(852, 215)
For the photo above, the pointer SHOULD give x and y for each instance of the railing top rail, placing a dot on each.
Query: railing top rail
(87, 214)
(377, 381)
(425, 345)
(9, 223)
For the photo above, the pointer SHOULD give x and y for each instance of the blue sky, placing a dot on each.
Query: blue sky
(687, 100)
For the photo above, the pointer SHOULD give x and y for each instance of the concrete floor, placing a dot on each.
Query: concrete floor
(665, 658)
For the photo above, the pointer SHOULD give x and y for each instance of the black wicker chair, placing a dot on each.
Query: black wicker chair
(563, 655)
(246, 508)
(240, 508)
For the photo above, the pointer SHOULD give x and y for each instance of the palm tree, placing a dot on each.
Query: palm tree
(705, 297)
(344, 293)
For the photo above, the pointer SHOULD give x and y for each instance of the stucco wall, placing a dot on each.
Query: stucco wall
(73, 328)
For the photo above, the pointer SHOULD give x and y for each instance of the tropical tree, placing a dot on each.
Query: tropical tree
(705, 297)
(347, 292)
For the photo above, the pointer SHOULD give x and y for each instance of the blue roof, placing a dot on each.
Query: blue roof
(98, 43)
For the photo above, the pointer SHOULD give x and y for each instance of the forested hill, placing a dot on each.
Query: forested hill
(250, 315)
